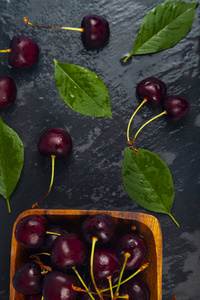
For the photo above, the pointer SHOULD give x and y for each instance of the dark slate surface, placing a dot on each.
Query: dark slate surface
(91, 178)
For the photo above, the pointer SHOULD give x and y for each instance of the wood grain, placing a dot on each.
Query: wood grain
(147, 225)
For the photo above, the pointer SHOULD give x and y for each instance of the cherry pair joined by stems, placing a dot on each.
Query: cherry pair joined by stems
(54, 143)
(153, 91)
(23, 52)
(94, 30)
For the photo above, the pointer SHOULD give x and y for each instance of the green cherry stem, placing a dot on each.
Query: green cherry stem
(53, 157)
(8, 204)
(126, 257)
(174, 219)
(83, 283)
(161, 114)
(110, 286)
(94, 240)
(143, 267)
(130, 121)
(53, 27)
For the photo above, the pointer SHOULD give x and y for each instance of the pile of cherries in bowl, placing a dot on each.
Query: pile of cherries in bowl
(93, 264)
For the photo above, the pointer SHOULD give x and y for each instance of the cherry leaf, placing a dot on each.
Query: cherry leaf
(11, 160)
(163, 27)
(147, 180)
(82, 90)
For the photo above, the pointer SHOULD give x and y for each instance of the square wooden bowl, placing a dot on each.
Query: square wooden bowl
(147, 225)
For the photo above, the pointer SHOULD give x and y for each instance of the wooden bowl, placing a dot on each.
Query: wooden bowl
(147, 225)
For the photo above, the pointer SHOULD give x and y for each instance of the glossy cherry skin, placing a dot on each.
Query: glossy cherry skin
(177, 106)
(68, 250)
(30, 231)
(153, 89)
(58, 286)
(24, 52)
(136, 289)
(28, 279)
(135, 245)
(100, 226)
(96, 31)
(8, 91)
(106, 263)
(55, 141)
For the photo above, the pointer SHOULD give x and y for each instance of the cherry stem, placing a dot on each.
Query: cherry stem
(126, 257)
(174, 219)
(83, 283)
(53, 27)
(94, 240)
(161, 114)
(6, 51)
(53, 157)
(54, 233)
(129, 124)
(110, 286)
(143, 267)
(45, 269)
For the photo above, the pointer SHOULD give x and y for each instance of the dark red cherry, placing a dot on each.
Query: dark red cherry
(55, 141)
(35, 297)
(136, 289)
(58, 286)
(8, 91)
(96, 31)
(100, 226)
(28, 279)
(24, 52)
(153, 89)
(30, 231)
(106, 263)
(177, 106)
(68, 250)
(133, 244)
(50, 237)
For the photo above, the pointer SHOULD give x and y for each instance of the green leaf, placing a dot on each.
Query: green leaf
(163, 27)
(82, 90)
(147, 180)
(11, 160)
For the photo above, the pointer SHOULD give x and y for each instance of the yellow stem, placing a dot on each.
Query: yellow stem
(83, 283)
(52, 27)
(129, 124)
(53, 157)
(126, 257)
(161, 114)
(94, 240)
(7, 50)
(174, 219)
(110, 286)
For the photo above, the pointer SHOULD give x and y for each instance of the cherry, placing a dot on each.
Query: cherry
(133, 244)
(152, 89)
(30, 231)
(100, 226)
(68, 251)
(8, 91)
(52, 232)
(27, 279)
(177, 106)
(137, 289)
(94, 30)
(106, 263)
(23, 51)
(54, 143)
(58, 286)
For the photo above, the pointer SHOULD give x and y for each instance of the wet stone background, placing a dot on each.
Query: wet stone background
(91, 177)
